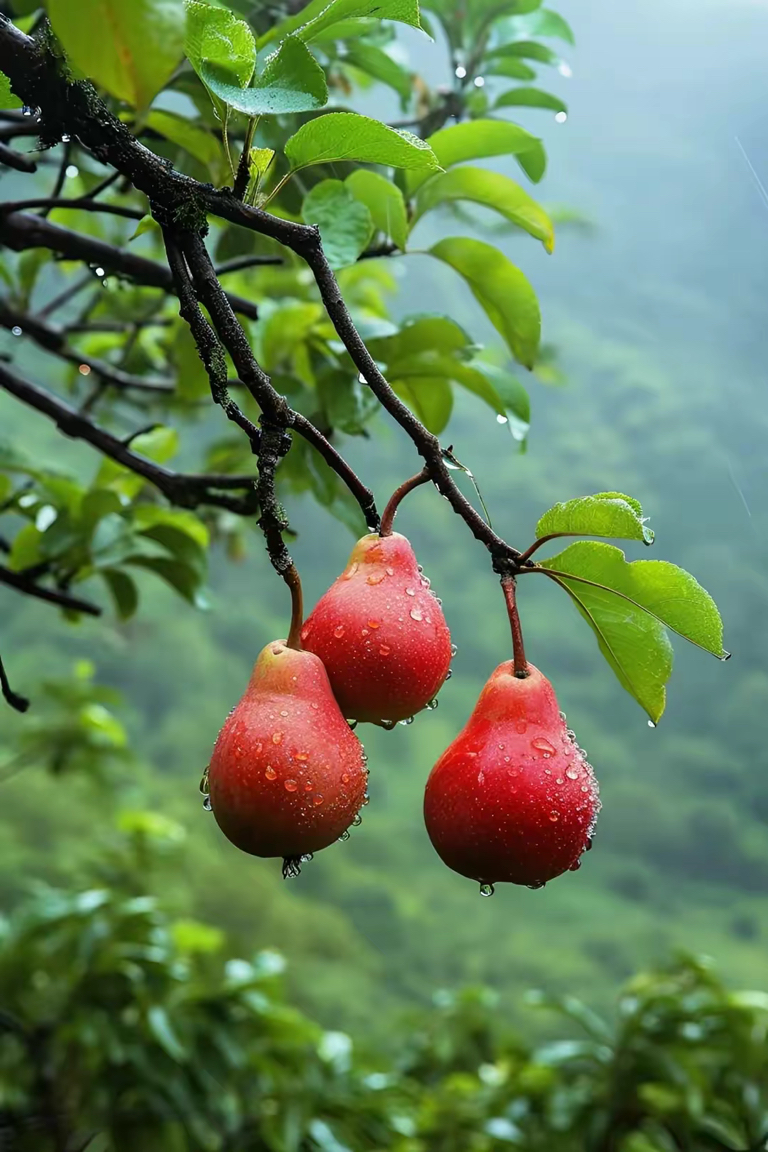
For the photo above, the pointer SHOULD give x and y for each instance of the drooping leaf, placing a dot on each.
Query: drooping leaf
(629, 605)
(384, 201)
(376, 63)
(319, 15)
(605, 514)
(349, 136)
(292, 81)
(429, 397)
(7, 98)
(124, 592)
(530, 98)
(503, 291)
(345, 223)
(493, 190)
(128, 47)
(478, 139)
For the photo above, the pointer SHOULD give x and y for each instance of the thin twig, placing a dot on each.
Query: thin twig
(518, 648)
(50, 595)
(53, 340)
(84, 204)
(20, 703)
(185, 490)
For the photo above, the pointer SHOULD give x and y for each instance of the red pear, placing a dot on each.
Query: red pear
(513, 798)
(287, 776)
(381, 633)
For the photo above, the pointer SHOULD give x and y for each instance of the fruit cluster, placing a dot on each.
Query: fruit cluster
(512, 799)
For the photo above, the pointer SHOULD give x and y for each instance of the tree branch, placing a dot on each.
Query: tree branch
(84, 204)
(71, 108)
(18, 581)
(20, 703)
(20, 231)
(184, 490)
(13, 159)
(53, 340)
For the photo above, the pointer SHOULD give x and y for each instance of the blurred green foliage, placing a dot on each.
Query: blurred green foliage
(122, 1027)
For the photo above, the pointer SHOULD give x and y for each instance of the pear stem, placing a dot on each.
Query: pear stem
(518, 649)
(291, 578)
(388, 519)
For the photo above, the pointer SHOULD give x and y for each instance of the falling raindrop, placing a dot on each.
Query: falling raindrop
(487, 889)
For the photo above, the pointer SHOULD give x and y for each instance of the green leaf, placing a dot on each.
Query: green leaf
(509, 67)
(345, 223)
(128, 47)
(215, 36)
(199, 142)
(420, 334)
(478, 139)
(7, 98)
(184, 578)
(605, 514)
(503, 291)
(628, 605)
(348, 136)
(146, 224)
(124, 591)
(160, 445)
(160, 1026)
(320, 15)
(384, 201)
(27, 548)
(191, 377)
(491, 189)
(524, 49)
(545, 22)
(292, 81)
(376, 63)
(283, 328)
(530, 98)
(429, 397)
(149, 516)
